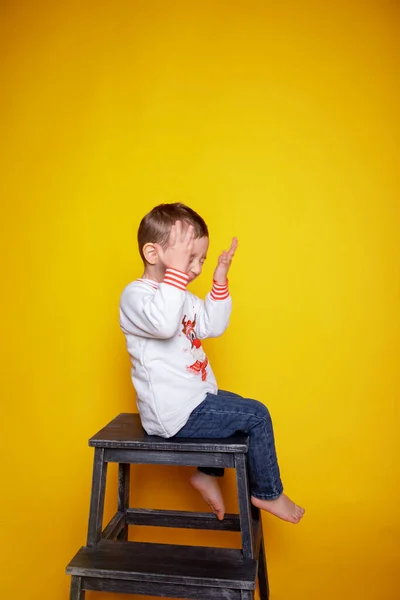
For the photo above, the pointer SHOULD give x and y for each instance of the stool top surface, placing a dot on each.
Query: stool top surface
(126, 431)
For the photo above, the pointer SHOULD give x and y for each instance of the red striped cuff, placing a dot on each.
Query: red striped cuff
(219, 291)
(178, 279)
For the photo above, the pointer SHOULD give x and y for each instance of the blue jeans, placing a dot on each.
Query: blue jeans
(224, 414)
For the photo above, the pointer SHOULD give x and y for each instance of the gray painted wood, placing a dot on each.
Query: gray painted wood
(256, 520)
(256, 538)
(246, 525)
(126, 431)
(164, 457)
(114, 527)
(181, 519)
(76, 591)
(124, 471)
(97, 497)
(164, 563)
(259, 551)
(262, 568)
(170, 590)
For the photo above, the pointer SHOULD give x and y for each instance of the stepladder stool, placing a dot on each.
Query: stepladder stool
(110, 563)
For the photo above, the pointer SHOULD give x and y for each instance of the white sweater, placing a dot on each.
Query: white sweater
(163, 325)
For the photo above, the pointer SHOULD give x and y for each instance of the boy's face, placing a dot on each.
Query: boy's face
(197, 258)
(199, 255)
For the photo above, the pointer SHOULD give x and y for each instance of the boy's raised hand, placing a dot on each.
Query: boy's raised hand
(224, 262)
(179, 249)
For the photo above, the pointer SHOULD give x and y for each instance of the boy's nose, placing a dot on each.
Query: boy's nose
(196, 269)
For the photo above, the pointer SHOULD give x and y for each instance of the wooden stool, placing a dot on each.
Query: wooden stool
(110, 563)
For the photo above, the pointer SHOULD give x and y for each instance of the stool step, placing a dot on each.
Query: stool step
(181, 519)
(165, 563)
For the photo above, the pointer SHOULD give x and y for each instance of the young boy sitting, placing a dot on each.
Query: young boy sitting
(177, 393)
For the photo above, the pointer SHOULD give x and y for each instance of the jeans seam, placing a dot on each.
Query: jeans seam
(229, 412)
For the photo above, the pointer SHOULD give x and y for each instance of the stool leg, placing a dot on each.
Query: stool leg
(124, 471)
(97, 498)
(262, 569)
(244, 505)
(77, 593)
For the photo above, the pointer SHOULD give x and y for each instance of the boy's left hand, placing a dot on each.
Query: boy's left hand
(224, 262)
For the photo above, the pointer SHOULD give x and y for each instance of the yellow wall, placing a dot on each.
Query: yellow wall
(278, 122)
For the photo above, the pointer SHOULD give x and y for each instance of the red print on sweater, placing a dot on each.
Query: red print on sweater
(201, 360)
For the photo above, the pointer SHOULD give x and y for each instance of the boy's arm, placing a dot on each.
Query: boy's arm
(212, 316)
(154, 314)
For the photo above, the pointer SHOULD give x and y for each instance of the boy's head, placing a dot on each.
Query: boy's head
(155, 228)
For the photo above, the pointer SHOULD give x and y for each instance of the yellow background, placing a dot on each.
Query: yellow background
(278, 122)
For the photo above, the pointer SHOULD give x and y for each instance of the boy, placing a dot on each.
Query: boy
(177, 393)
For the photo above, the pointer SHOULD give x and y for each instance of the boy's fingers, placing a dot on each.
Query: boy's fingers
(189, 237)
(172, 236)
(234, 244)
(229, 253)
(178, 229)
(233, 247)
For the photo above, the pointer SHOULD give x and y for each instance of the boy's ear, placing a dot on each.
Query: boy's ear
(150, 253)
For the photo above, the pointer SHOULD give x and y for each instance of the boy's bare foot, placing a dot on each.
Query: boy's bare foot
(282, 507)
(209, 489)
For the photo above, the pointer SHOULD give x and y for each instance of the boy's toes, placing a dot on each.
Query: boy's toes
(220, 513)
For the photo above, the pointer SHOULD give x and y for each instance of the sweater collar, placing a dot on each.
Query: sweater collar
(153, 284)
